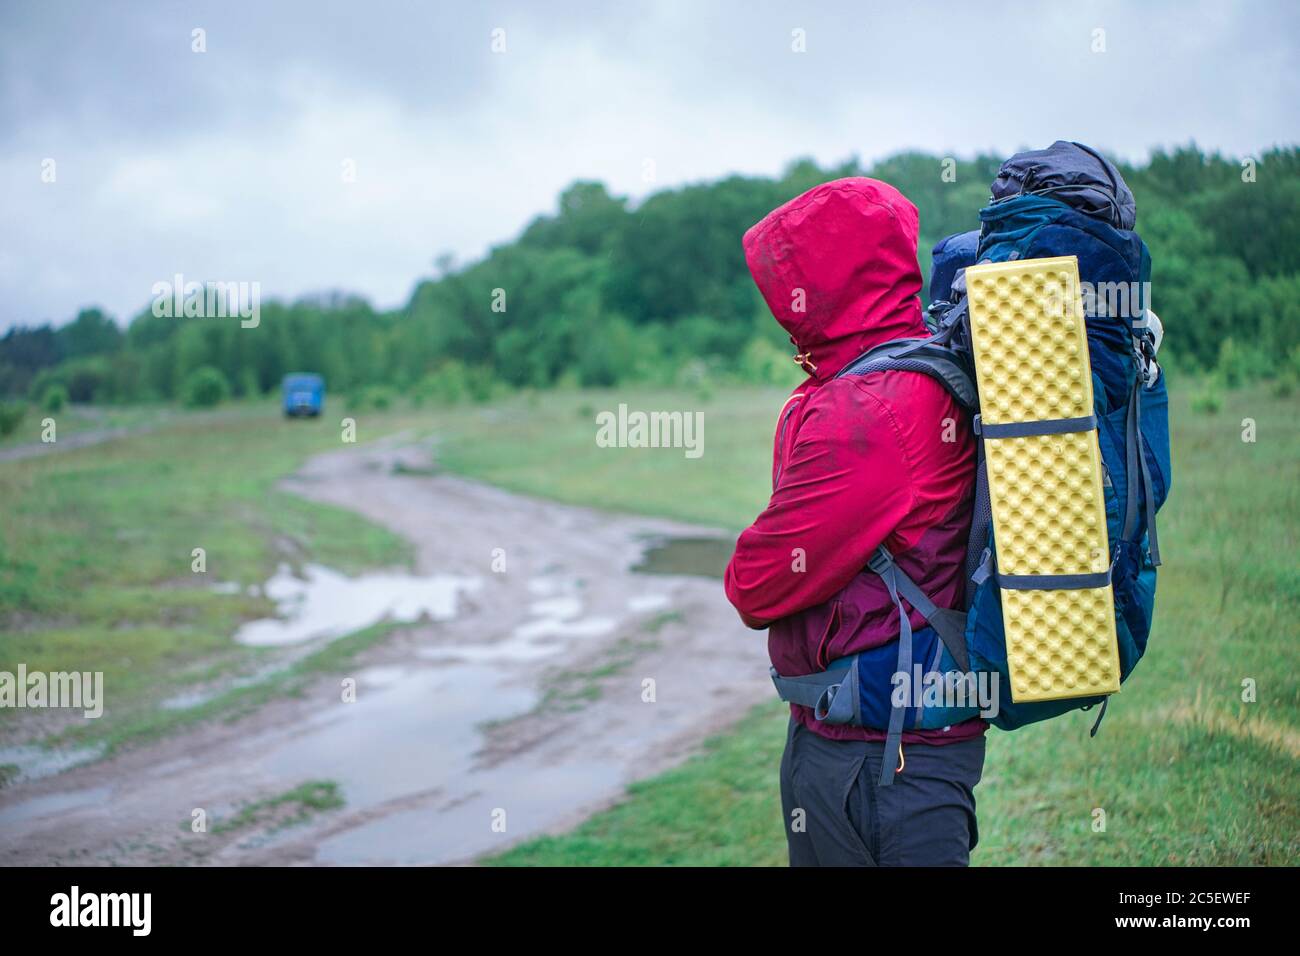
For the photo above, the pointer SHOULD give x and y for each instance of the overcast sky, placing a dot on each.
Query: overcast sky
(229, 164)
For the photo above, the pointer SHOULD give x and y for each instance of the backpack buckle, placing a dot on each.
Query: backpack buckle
(985, 568)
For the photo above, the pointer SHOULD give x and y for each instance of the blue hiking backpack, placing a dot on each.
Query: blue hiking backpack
(1063, 201)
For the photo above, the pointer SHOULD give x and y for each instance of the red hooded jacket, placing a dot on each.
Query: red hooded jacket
(859, 461)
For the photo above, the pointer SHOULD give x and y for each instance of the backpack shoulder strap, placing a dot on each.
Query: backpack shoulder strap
(929, 356)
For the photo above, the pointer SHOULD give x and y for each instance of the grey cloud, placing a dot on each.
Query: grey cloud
(225, 165)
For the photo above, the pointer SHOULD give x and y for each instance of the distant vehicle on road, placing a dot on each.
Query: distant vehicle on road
(304, 394)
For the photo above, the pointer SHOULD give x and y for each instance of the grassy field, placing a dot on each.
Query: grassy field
(75, 419)
(96, 555)
(1185, 771)
(544, 444)
(95, 573)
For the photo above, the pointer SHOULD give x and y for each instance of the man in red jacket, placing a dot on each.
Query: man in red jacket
(860, 461)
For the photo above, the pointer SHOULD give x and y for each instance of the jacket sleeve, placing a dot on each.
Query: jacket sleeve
(845, 486)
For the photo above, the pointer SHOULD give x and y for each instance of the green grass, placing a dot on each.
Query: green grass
(96, 554)
(283, 810)
(141, 724)
(1185, 772)
(546, 445)
(73, 419)
(95, 575)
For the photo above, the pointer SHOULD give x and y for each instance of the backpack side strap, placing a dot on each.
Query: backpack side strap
(1054, 582)
(949, 625)
(1049, 426)
(1136, 470)
(883, 564)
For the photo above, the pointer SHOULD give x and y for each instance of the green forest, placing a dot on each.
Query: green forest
(604, 291)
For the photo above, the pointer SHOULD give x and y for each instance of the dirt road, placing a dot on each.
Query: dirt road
(560, 676)
(94, 436)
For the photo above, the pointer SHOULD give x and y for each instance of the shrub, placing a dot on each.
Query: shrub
(763, 363)
(1208, 402)
(46, 379)
(482, 385)
(54, 398)
(611, 355)
(205, 387)
(249, 386)
(11, 414)
(1239, 364)
(380, 398)
(87, 378)
(1288, 376)
(446, 385)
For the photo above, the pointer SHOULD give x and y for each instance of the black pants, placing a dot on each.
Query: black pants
(836, 814)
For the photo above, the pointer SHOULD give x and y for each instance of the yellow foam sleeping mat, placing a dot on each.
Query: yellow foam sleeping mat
(1045, 477)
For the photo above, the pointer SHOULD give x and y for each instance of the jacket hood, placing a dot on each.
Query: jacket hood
(837, 266)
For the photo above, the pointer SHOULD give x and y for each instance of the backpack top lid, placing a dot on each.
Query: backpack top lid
(1077, 175)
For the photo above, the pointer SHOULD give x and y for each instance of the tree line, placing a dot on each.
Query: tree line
(602, 291)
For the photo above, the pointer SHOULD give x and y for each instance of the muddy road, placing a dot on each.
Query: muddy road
(545, 677)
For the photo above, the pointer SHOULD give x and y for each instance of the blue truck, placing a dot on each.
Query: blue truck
(304, 394)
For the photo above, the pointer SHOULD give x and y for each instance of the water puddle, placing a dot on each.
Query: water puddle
(644, 603)
(703, 557)
(416, 734)
(51, 804)
(406, 732)
(324, 604)
(528, 798)
(407, 751)
(558, 627)
(556, 614)
(36, 762)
